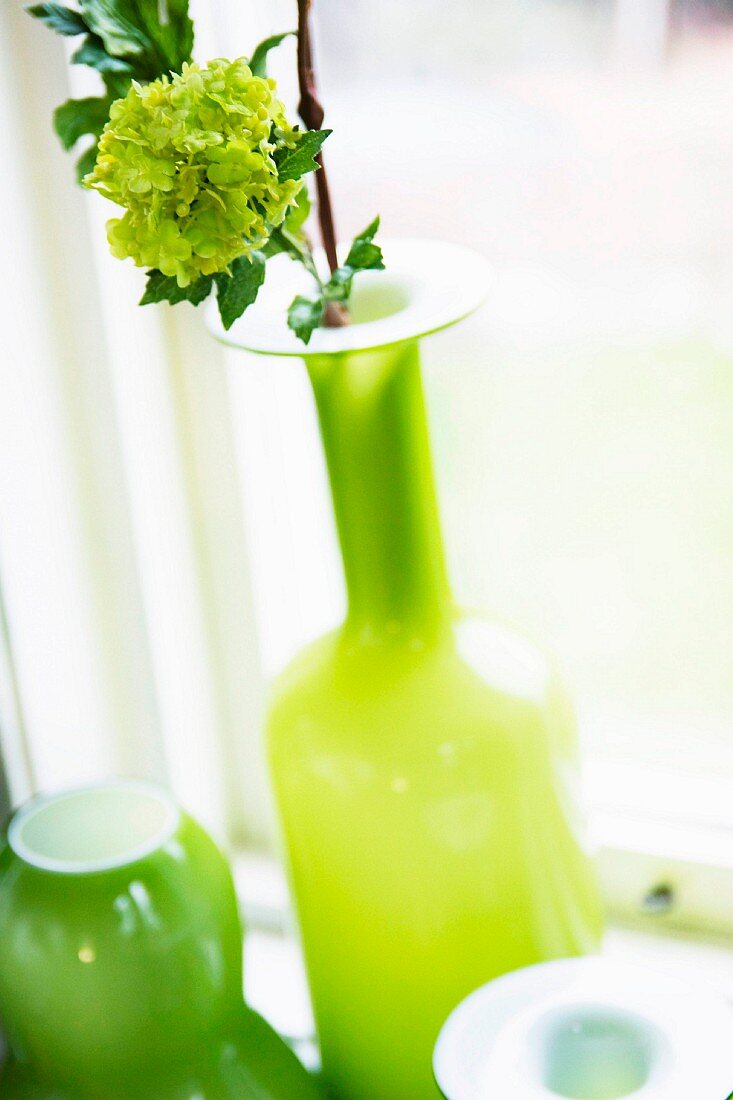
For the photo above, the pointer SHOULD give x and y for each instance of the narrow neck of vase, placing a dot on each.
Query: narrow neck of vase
(373, 424)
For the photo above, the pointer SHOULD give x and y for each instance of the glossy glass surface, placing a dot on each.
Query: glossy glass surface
(587, 1029)
(424, 763)
(121, 967)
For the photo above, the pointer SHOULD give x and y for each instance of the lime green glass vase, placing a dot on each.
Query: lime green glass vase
(424, 760)
(121, 959)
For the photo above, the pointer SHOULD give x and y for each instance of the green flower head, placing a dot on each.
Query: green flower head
(191, 158)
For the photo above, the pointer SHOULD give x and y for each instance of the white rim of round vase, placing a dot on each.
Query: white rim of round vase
(93, 828)
(426, 286)
(587, 1029)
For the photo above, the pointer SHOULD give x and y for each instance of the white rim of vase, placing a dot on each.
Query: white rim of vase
(692, 1015)
(168, 827)
(437, 284)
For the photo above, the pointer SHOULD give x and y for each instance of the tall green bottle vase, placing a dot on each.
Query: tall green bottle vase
(424, 760)
(121, 959)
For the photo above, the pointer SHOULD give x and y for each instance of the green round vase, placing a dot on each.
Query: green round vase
(424, 759)
(121, 959)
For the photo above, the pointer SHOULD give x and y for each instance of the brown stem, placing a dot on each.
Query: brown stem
(311, 111)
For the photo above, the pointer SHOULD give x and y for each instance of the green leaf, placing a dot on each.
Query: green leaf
(338, 287)
(258, 60)
(117, 85)
(238, 290)
(290, 238)
(364, 255)
(86, 162)
(58, 18)
(276, 244)
(116, 22)
(293, 244)
(299, 213)
(92, 53)
(168, 26)
(305, 316)
(296, 162)
(165, 288)
(235, 291)
(77, 117)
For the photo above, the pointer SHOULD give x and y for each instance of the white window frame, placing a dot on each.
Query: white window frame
(665, 843)
(656, 830)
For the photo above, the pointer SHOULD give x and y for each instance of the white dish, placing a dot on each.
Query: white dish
(587, 1029)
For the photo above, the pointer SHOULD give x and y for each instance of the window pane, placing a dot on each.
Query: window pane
(583, 423)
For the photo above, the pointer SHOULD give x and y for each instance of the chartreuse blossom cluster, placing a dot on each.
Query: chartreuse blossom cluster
(191, 158)
(202, 160)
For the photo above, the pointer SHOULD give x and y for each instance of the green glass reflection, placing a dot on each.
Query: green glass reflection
(121, 960)
(424, 763)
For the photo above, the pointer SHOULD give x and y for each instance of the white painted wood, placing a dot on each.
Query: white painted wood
(641, 31)
(123, 557)
(66, 564)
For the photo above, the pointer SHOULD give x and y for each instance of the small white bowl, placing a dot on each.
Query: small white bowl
(587, 1029)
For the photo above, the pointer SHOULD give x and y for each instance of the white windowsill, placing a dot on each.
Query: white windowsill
(276, 984)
